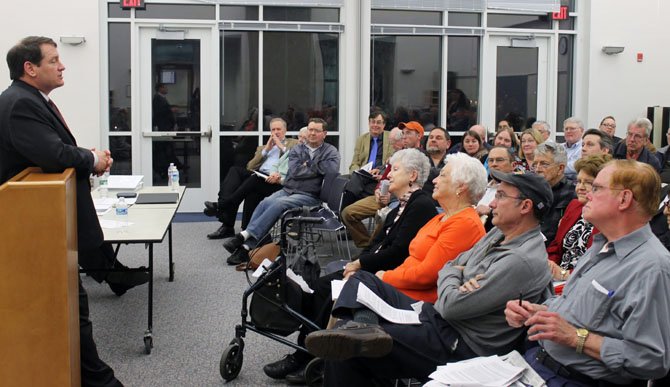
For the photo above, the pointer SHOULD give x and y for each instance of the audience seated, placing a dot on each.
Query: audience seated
(308, 164)
(500, 159)
(550, 160)
(573, 128)
(374, 146)
(609, 325)
(386, 252)
(575, 234)
(473, 146)
(596, 142)
(543, 128)
(506, 137)
(437, 146)
(467, 318)
(530, 139)
(635, 145)
(608, 125)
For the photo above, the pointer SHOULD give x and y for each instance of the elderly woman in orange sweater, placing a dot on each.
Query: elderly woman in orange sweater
(458, 188)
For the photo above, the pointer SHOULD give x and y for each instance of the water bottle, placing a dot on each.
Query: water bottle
(384, 187)
(122, 212)
(102, 182)
(169, 174)
(175, 179)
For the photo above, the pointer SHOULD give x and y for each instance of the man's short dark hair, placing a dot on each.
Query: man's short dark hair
(28, 49)
(158, 86)
(605, 140)
(446, 134)
(321, 121)
(375, 113)
(509, 151)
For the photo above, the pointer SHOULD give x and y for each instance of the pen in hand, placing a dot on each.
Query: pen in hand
(521, 299)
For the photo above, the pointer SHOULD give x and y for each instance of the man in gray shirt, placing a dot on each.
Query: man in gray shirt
(610, 326)
(467, 320)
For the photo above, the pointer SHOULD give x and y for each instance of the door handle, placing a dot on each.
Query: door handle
(207, 133)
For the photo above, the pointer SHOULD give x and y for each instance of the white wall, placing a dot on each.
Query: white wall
(79, 99)
(618, 84)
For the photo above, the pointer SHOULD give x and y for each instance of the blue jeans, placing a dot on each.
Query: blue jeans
(270, 209)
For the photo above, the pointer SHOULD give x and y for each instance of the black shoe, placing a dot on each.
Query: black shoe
(222, 232)
(233, 243)
(283, 367)
(297, 377)
(121, 281)
(240, 255)
(211, 208)
(352, 339)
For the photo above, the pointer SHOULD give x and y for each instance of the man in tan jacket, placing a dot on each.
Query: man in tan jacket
(377, 140)
(259, 177)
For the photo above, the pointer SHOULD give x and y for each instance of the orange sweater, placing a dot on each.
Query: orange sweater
(435, 244)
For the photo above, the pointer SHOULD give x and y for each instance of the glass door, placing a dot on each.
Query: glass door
(176, 126)
(517, 81)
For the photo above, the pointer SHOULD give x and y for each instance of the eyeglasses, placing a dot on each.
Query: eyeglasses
(542, 165)
(314, 130)
(635, 136)
(501, 195)
(609, 125)
(588, 184)
(570, 128)
(378, 122)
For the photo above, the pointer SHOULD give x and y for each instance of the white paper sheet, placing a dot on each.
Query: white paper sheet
(290, 274)
(481, 371)
(110, 224)
(336, 288)
(127, 182)
(366, 297)
(262, 268)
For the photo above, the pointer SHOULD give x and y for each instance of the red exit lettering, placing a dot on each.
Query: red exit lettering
(562, 14)
(126, 4)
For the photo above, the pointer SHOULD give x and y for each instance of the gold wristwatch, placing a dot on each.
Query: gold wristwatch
(582, 334)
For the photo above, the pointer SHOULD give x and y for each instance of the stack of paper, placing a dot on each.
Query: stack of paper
(489, 371)
(124, 182)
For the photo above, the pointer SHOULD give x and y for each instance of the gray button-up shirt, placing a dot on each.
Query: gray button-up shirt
(621, 292)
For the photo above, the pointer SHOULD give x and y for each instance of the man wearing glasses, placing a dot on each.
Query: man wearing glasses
(549, 162)
(466, 320)
(573, 128)
(372, 147)
(610, 325)
(634, 147)
(500, 159)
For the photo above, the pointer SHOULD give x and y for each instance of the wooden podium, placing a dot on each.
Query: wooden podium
(39, 294)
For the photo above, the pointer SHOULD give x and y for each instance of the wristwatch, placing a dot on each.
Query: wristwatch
(582, 334)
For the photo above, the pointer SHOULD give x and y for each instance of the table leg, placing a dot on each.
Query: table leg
(171, 264)
(148, 339)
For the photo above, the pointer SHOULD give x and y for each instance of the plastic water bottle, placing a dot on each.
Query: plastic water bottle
(174, 179)
(122, 212)
(384, 187)
(171, 168)
(103, 184)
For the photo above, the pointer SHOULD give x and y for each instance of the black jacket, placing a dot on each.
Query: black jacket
(32, 134)
(564, 192)
(645, 157)
(395, 246)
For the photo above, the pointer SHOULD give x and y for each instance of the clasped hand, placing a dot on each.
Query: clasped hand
(105, 161)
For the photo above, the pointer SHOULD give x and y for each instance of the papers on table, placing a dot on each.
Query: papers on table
(104, 205)
(105, 223)
(399, 316)
(493, 371)
(124, 182)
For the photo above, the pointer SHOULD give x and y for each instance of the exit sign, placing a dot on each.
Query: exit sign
(562, 14)
(129, 4)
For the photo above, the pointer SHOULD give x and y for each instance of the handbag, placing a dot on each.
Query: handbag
(266, 304)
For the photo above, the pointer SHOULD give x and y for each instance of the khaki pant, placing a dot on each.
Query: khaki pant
(353, 216)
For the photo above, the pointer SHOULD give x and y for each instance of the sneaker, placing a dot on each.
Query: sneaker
(120, 282)
(222, 232)
(352, 339)
(283, 367)
(297, 377)
(240, 255)
(233, 243)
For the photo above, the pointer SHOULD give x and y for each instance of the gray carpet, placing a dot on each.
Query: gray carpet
(194, 317)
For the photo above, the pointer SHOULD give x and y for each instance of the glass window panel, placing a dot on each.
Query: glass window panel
(325, 15)
(405, 77)
(239, 75)
(121, 149)
(519, 21)
(301, 79)
(564, 84)
(119, 77)
(570, 4)
(231, 12)
(235, 151)
(385, 16)
(462, 19)
(176, 11)
(114, 10)
(568, 24)
(175, 79)
(516, 85)
(462, 82)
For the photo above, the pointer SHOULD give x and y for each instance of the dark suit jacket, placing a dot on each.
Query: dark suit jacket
(32, 134)
(395, 245)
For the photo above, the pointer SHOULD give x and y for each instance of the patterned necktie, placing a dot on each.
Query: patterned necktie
(55, 108)
(373, 152)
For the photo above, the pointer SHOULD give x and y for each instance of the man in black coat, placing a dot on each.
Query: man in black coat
(34, 133)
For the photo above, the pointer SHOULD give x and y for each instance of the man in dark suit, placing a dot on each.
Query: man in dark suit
(34, 133)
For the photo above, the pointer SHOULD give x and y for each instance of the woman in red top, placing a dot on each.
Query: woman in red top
(575, 234)
(460, 185)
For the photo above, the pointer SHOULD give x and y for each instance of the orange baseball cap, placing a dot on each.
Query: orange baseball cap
(412, 125)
